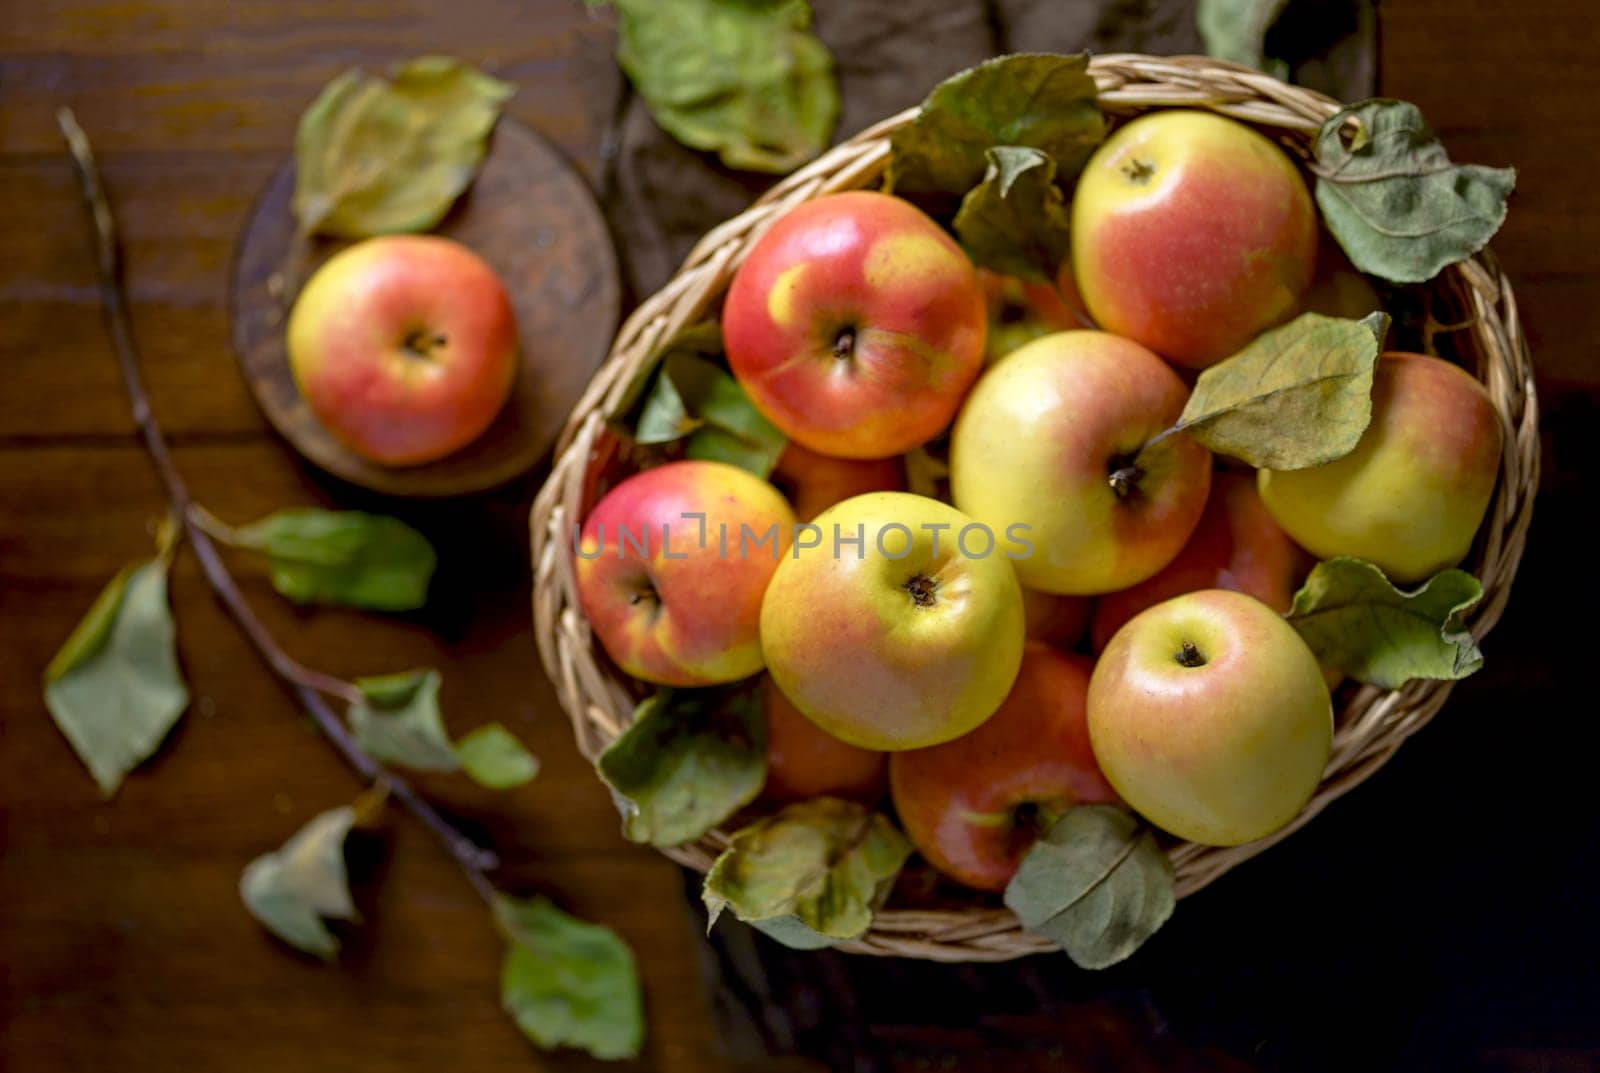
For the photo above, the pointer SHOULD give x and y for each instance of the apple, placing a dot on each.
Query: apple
(805, 761)
(1021, 311)
(1209, 715)
(1061, 439)
(1338, 289)
(1191, 233)
(1236, 546)
(670, 574)
(816, 482)
(404, 347)
(1411, 495)
(974, 805)
(856, 325)
(895, 623)
(1056, 620)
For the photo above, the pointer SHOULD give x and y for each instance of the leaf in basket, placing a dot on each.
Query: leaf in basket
(690, 759)
(345, 558)
(748, 81)
(1394, 200)
(696, 400)
(568, 983)
(1042, 102)
(792, 932)
(1355, 619)
(374, 157)
(829, 863)
(1015, 221)
(1236, 30)
(1299, 395)
(398, 721)
(115, 689)
(1096, 884)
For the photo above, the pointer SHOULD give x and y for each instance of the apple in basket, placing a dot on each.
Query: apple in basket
(856, 325)
(814, 482)
(404, 347)
(672, 565)
(805, 761)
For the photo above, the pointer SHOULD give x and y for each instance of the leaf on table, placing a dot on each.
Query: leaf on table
(1034, 101)
(1391, 196)
(398, 721)
(690, 759)
(1355, 620)
(115, 689)
(295, 888)
(1015, 220)
(746, 80)
(694, 399)
(375, 157)
(1236, 30)
(1096, 884)
(568, 983)
(1299, 395)
(828, 862)
(345, 558)
(493, 757)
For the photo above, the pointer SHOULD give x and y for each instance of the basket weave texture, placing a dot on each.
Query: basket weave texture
(1370, 725)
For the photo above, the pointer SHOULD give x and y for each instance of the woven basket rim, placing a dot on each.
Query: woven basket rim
(1371, 725)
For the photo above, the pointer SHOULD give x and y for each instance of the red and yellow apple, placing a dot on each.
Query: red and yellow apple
(1063, 439)
(1210, 716)
(1056, 620)
(1338, 289)
(816, 482)
(1021, 311)
(894, 624)
(1411, 495)
(1191, 233)
(856, 325)
(1236, 546)
(805, 761)
(668, 578)
(404, 347)
(974, 805)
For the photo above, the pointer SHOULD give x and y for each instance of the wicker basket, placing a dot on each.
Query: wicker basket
(1370, 725)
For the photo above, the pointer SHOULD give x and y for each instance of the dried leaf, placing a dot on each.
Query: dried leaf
(1393, 199)
(1096, 884)
(343, 558)
(493, 757)
(829, 863)
(1299, 395)
(293, 888)
(398, 721)
(374, 157)
(568, 983)
(1236, 30)
(1015, 221)
(1355, 620)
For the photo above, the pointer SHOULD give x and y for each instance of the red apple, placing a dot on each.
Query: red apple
(1056, 620)
(856, 325)
(1021, 311)
(816, 482)
(1236, 546)
(1191, 233)
(804, 761)
(974, 805)
(404, 347)
(668, 577)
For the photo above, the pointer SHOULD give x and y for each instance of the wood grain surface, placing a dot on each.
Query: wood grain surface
(1440, 918)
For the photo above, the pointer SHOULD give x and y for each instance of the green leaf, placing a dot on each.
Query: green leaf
(114, 688)
(1299, 395)
(344, 558)
(1036, 101)
(293, 888)
(1354, 619)
(1236, 30)
(830, 863)
(492, 756)
(398, 721)
(568, 983)
(374, 157)
(693, 398)
(748, 81)
(1096, 884)
(1015, 221)
(1393, 199)
(690, 759)
(792, 932)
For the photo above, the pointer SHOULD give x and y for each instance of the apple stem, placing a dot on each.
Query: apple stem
(844, 344)
(922, 590)
(1125, 479)
(1189, 655)
(421, 343)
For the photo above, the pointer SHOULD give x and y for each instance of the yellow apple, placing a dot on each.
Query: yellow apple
(895, 623)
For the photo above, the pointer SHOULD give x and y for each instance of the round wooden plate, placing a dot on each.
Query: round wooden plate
(531, 216)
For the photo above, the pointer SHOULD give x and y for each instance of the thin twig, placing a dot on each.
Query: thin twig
(310, 686)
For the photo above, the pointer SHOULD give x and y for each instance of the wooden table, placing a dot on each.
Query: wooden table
(1443, 913)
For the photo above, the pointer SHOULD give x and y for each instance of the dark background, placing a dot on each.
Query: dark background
(1439, 918)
